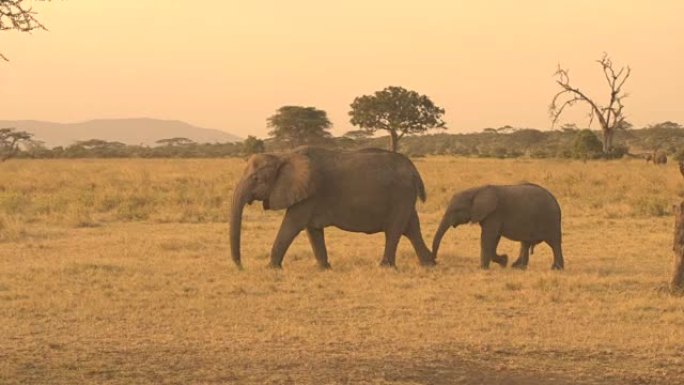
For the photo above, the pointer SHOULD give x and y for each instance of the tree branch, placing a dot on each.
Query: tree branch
(564, 82)
(14, 15)
(611, 116)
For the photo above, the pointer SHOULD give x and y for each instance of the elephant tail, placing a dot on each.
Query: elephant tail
(420, 186)
(417, 180)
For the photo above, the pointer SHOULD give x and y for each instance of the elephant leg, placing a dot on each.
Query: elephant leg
(317, 240)
(391, 243)
(489, 240)
(501, 259)
(397, 227)
(293, 223)
(558, 262)
(523, 257)
(414, 235)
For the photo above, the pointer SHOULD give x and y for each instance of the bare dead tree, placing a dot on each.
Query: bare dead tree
(16, 15)
(610, 116)
(10, 140)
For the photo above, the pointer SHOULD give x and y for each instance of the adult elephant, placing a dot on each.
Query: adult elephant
(367, 191)
(526, 213)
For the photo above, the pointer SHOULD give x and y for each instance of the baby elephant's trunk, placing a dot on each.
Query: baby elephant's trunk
(443, 227)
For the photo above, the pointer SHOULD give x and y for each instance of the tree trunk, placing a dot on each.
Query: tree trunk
(607, 140)
(677, 282)
(394, 141)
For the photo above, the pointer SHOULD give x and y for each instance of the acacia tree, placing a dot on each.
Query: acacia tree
(10, 140)
(298, 125)
(357, 134)
(15, 15)
(396, 110)
(175, 142)
(609, 116)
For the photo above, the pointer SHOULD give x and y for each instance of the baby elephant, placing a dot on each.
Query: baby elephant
(526, 213)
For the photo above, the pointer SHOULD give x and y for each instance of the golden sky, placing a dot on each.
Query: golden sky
(231, 64)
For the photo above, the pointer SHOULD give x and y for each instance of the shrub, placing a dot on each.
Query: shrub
(651, 206)
(586, 145)
(540, 154)
(679, 155)
(617, 152)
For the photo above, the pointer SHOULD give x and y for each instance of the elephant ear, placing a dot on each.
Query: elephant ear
(484, 203)
(293, 183)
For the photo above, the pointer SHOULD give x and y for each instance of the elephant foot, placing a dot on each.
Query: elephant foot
(502, 260)
(275, 266)
(518, 264)
(386, 263)
(324, 266)
(428, 263)
(557, 266)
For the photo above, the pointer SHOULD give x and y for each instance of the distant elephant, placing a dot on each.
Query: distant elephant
(367, 191)
(659, 157)
(526, 213)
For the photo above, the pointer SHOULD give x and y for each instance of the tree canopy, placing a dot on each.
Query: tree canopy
(396, 110)
(253, 145)
(298, 125)
(10, 140)
(178, 141)
(357, 134)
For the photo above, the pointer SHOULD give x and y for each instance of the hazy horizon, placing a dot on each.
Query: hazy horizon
(229, 65)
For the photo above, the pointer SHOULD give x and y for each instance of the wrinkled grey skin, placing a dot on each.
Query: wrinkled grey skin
(526, 213)
(367, 191)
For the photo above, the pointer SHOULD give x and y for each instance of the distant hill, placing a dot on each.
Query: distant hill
(129, 131)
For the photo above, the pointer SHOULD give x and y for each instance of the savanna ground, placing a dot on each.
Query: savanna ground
(118, 272)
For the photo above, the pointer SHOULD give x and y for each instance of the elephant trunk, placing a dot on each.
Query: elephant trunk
(240, 199)
(443, 227)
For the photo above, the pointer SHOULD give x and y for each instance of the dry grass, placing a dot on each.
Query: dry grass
(117, 272)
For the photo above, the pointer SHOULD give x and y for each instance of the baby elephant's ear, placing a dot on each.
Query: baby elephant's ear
(484, 203)
(294, 182)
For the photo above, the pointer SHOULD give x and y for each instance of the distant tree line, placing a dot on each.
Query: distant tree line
(503, 142)
(406, 116)
(399, 112)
